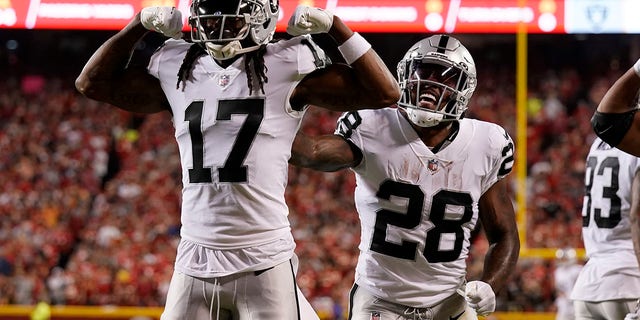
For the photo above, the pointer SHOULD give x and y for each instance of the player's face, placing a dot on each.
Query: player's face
(223, 27)
(429, 82)
(222, 21)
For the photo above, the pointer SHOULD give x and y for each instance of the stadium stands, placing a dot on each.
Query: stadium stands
(89, 195)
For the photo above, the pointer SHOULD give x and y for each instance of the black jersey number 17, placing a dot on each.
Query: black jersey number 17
(233, 170)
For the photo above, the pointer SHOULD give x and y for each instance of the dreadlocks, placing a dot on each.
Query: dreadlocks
(184, 73)
(253, 59)
(256, 58)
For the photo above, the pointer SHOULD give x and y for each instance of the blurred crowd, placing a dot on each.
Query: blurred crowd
(89, 195)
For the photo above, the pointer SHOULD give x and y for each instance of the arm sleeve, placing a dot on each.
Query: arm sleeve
(612, 127)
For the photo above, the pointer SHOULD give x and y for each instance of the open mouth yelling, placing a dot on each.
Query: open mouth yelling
(428, 98)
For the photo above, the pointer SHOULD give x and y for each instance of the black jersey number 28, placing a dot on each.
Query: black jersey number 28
(233, 169)
(412, 217)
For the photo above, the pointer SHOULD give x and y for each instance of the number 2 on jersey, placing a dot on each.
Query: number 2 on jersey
(412, 217)
(233, 169)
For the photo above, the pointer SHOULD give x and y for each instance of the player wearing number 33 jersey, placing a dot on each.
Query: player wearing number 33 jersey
(425, 176)
(609, 283)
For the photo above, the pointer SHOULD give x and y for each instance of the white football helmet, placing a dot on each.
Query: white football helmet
(437, 77)
(221, 26)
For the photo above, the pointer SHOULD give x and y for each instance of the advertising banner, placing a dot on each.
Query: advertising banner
(397, 16)
(602, 16)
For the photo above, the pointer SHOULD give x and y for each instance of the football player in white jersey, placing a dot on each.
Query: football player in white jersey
(424, 178)
(609, 283)
(236, 99)
(616, 120)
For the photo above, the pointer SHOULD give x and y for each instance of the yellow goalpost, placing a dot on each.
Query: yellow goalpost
(521, 149)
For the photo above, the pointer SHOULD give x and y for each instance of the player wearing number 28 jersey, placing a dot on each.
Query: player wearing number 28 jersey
(424, 178)
(609, 283)
(417, 208)
(236, 99)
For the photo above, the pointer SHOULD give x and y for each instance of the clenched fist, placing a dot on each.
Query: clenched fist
(480, 297)
(165, 20)
(309, 20)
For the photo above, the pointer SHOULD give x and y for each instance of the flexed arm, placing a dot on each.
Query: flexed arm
(109, 78)
(616, 121)
(364, 82)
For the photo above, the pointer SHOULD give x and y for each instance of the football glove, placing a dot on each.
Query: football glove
(634, 315)
(165, 20)
(309, 20)
(480, 297)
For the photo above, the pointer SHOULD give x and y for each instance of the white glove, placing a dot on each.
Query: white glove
(309, 20)
(165, 20)
(631, 316)
(480, 297)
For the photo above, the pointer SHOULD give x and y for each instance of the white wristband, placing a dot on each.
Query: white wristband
(355, 47)
(636, 67)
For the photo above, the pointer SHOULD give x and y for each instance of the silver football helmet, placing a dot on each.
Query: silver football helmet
(437, 77)
(221, 26)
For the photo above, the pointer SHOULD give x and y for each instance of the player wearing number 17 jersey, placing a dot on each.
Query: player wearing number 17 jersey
(609, 283)
(236, 99)
(425, 177)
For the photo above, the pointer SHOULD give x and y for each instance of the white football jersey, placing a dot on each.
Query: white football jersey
(612, 269)
(234, 145)
(417, 209)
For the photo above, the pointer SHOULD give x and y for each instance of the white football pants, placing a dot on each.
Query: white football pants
(605, 310)
(271, 294)
(365, 306)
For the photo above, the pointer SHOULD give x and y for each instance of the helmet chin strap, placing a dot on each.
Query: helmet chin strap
(229, 50)
(422, 118)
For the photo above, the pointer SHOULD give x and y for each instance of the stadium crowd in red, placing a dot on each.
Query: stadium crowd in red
(89, 195)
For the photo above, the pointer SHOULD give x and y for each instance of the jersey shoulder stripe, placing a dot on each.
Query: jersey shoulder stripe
(493, 140)
(301, 50)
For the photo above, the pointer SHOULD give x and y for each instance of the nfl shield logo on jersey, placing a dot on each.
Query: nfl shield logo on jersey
(375, 315)
(224, 79)
(432, 165)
